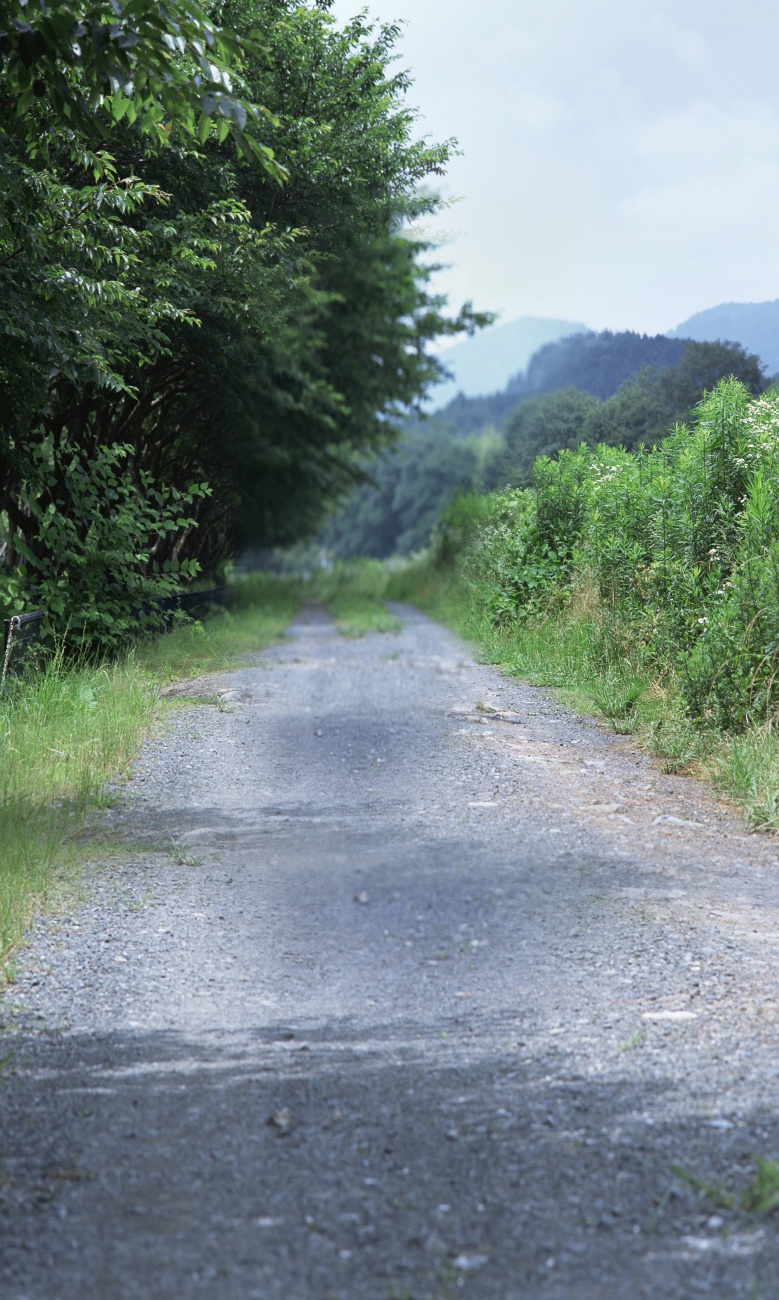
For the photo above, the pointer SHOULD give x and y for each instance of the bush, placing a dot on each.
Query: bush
(680, 545)
(93, 528)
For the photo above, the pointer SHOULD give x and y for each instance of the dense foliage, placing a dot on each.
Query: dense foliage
(412, 486)
(642, 410)
(460, 447)
(93, 64)
(678, 546)
(246, 320)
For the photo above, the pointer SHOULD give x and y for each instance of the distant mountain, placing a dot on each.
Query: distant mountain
(755, 325)
(485, 363)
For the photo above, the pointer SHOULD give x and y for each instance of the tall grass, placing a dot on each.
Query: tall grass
(67, 729)
(63, 732)
(262, 607)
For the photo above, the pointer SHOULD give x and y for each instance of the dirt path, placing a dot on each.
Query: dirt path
(425, 1003)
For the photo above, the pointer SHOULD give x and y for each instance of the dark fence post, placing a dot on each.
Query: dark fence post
(20, 633)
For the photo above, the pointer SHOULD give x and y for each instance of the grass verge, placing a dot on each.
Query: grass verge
(262, 607)
(354, 594)
(575, 655)
(66, 730)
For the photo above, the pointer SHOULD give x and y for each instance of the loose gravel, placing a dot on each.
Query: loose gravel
(408, 983)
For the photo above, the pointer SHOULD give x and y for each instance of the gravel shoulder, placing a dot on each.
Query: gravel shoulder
(409, 985)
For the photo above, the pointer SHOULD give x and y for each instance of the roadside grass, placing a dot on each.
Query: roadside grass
(68, 729)
(262, 607)
(354, 593)
(572, 653)
(63, 732)
(759, 1196)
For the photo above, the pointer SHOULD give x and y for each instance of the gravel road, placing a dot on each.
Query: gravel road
(409, 984)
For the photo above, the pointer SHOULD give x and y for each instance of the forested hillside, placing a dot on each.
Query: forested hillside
(598, 363)
(210, 301)
(486, 362)
(483, 443)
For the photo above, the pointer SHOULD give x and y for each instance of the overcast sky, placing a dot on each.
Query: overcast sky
(620, 157)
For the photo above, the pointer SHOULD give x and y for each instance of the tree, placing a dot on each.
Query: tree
(180, 304)
(412, 485)
(599, 363)
(702, 367)
(643, 409)
(303, 356)
(157, 65)
(539, 426)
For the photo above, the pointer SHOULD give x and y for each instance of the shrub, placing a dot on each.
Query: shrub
(89, 551)
(680, 544)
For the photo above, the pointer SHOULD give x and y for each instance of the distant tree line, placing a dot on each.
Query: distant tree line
(638, 389)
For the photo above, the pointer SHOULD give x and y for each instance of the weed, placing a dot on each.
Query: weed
(663, 1202)
(182, 856)
(617, 698)
(138, 904)
(679, 745)
(759, 1196)
(762, 1193)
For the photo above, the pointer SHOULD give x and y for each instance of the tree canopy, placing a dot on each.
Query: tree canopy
(160, 66)
(254, 320)
(598, 363)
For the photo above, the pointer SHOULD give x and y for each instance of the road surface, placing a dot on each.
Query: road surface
(408, 984)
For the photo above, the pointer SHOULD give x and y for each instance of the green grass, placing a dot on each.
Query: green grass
(62, 734)
(262, 608)
(67, 730)
(354, 594)
(747, 768)
(759, 1196)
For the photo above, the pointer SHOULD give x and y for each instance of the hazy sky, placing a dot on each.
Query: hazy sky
(620, 157)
